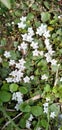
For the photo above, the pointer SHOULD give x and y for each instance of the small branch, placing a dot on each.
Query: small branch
(56, 78)
(7, 123)
(10, 110)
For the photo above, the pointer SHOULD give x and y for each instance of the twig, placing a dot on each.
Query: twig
(7, 123)
(56, 78)
(10, 110)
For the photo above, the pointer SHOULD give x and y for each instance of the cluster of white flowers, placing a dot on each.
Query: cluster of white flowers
(17, 96)
(28, 37)
(46, 108)
(28, 122)
(17, 74)
(42, 30)
(22, 23)
(23, 46)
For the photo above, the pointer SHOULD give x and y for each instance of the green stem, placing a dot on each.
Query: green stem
(47, 128)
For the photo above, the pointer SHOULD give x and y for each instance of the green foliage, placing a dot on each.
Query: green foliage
(25, 107)
(5, 96)
(35, 90)
(23, 90)
(13, 87)
(45, 16)
(56, 108)
(36, 110)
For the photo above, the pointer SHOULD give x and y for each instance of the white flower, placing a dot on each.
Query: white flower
(50, 51)
(17, 106)
(46, 110)
(0, 60)
(46, 34)
(35, 52)
(27, 37)
(24, 36)
(44, 77)
(61, 79)
(45, 107)
(45, 104)
(19, 66)
(52, 115)
(38, 128)
(47, 99)
(26, 79)
(12, 23)
(21, 25)
(23, 18)
(9, 80)
(34, 45)
(17, 96)
(47, 43)
(30, 31)
(30, 118)
(60, 16)
(53, 62)
(12, 62)
(41, 29)
(48, 57)
(32, 77)
(7, 54)
(22, 61)
(28, 124)
(23, 45)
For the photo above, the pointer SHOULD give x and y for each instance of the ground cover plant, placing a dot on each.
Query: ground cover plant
(31, 65)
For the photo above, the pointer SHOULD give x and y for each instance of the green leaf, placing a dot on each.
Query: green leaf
(43, 123)
(13, 87)
(36, 110)
(5, 87)
(14, 55)
(23, 90)
(30, 16)
(25, 107)
(4, 72)
(3, 42)
(22, 123)
(5, 96)
(55, 89)
(7, 3)
(45, 16)
(55, 108)
(47, 88)
(34, 7)
(46, 4)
